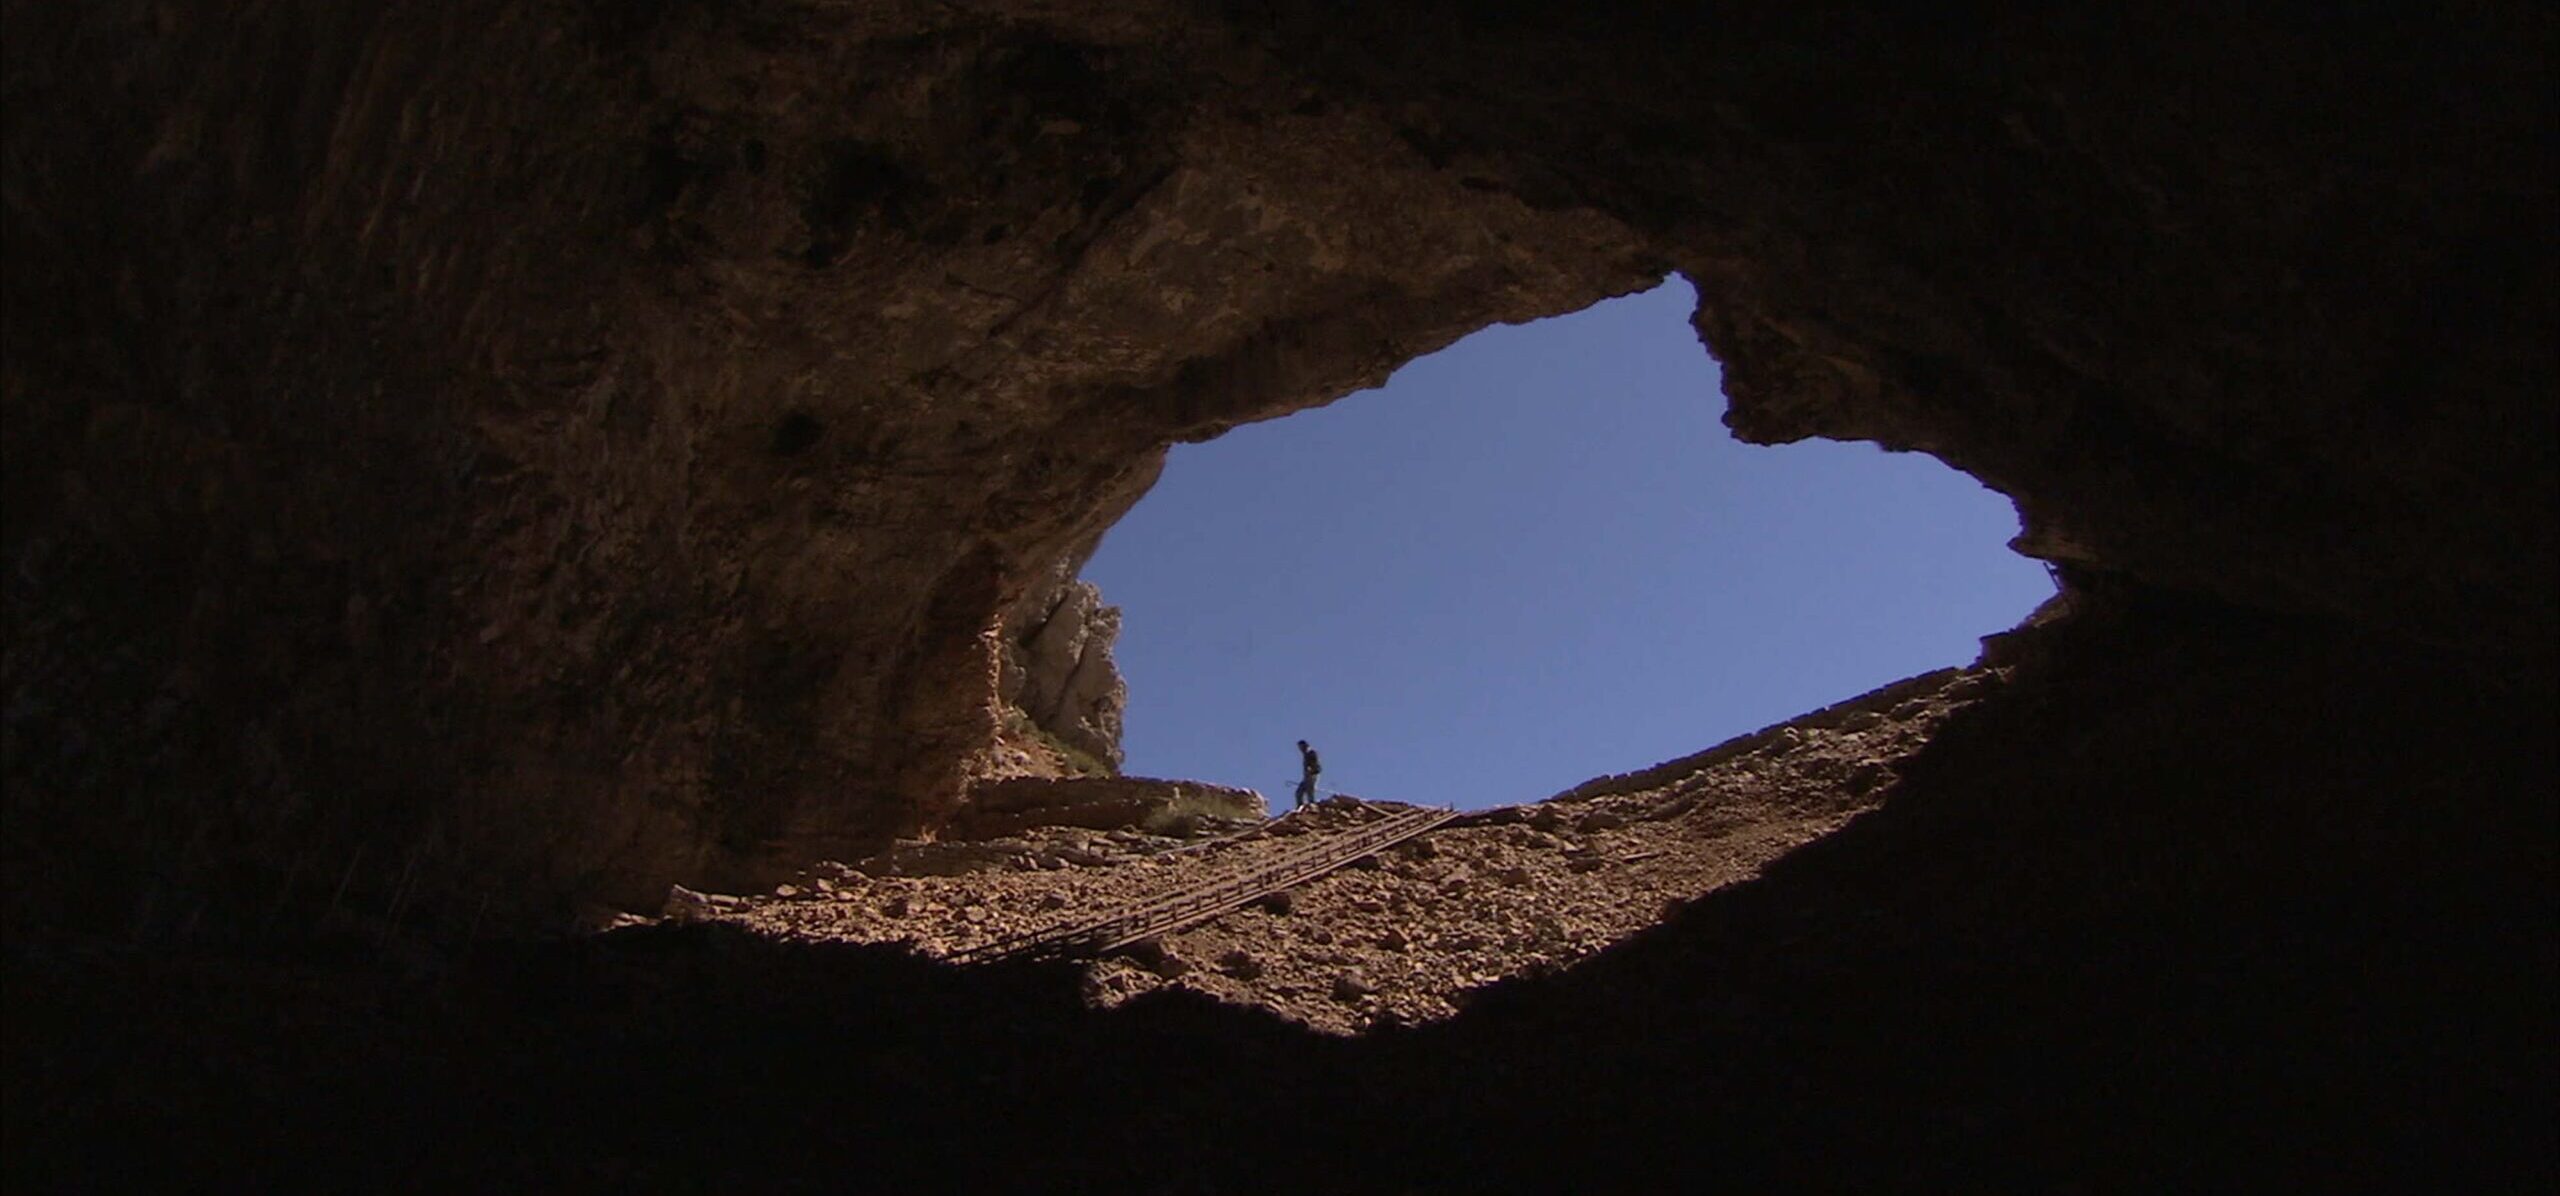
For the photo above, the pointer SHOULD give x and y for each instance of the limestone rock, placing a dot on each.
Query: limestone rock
(1003, 807)
(1155, 956)
(1240, 964)
(1058, 675)
(685, 905)
(567, 447)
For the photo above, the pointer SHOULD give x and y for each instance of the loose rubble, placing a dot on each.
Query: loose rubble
(1411, 936)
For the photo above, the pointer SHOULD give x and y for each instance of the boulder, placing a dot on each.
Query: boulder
(1240, 964)
(1156, 956)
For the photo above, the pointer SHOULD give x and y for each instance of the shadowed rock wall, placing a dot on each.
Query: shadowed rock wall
(543, 451)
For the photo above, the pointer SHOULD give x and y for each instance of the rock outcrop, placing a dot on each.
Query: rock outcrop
(552, 451)
(1058, 676)
(1006, 807)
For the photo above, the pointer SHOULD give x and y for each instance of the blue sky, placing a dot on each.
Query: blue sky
(1529, 559)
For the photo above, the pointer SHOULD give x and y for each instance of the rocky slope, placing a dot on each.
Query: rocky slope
(1411, 936)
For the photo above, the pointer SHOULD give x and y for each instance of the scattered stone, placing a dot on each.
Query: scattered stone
(685, 905)
(786, 892)
(1430, 918)
(1678, 806)
(1100, 985)
(1153, 955)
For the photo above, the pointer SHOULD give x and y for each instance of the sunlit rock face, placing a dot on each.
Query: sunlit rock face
(1059, 691)
(543, 452)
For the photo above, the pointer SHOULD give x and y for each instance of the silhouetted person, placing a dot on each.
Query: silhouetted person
(1309, 767)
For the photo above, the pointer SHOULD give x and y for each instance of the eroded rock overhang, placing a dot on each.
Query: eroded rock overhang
(555, 450)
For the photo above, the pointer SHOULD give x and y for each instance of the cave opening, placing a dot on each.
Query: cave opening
(1533, 558)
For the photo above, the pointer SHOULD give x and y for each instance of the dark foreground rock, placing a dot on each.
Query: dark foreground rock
(2025, 971)
(469, 467)
(557, 450)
